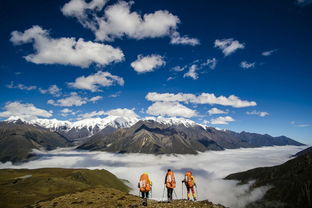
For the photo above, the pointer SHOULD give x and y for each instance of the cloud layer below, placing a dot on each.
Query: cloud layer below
(209, 169)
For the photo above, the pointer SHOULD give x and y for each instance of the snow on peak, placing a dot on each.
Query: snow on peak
(172, 121)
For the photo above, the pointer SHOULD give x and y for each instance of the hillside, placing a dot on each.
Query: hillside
(291, 183)
(18, 139)
(152, 136)
(21, 187)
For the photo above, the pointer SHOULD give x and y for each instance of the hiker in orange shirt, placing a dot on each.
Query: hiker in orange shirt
(145, 186)
(170, 183)
(189, 181)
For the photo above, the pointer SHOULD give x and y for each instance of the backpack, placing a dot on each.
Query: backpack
(170, 180)
(189, 179)
(144, 183)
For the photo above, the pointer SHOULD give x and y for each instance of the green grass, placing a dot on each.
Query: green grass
(48, 183)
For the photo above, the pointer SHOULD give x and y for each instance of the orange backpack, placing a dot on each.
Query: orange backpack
(188, 179)
(145, 185)
(170, 180)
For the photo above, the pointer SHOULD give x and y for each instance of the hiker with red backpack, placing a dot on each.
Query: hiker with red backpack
(145, 186)
(189, 181)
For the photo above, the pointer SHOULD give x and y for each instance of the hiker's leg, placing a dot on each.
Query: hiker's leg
(193, 193)
(188, 192)
(147, 194)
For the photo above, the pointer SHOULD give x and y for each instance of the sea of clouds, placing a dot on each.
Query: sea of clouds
(209, 168)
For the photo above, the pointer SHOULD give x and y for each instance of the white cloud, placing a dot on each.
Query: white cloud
(91, 114)
(178, 68)
(214, 111)
(192, 72)
(66, 111)
(94, 81)
(25, 111)
(123, 112)
(211, 63)
(176, 39)
(170, 109)
(246, 65)
(299, 124)
(203, 98)
(66, 51)
(268, 53)
(73, 100)
(53, 90)
(222, 120)
(117, 21)
(209, 169)
(257, 113)
(114, 95)
(147, 63)
(95, 98)
(20, 86)
(228, 46)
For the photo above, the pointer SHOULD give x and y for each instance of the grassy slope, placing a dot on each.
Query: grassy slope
(291, 181)
(49, 183)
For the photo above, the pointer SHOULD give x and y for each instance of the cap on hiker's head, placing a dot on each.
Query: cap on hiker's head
(169, 170)
(145, 173)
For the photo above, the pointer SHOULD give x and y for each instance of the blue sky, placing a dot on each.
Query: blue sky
(66, 59)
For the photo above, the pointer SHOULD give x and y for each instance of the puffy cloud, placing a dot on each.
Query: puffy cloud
(21, 86)
(192, 72)
(66, 51)
(268, 53)
(257, 113)
(94, 81)
(123, 112)
(214, 111)
(91, 114)
(246, 65)
(211, 63)
(53, 90)
(203, 98)
(117, 21)
(95, 98)
(228, 46)
(209, 169)
(25, 111)
(73, 100)
(185, 40)
(178, 68)
(222, 120)
(170, 109)
(147, 63)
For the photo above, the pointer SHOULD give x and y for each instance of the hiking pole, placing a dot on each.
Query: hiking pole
(175, 194)
(197, 192)
(163, 194)
(182, 190)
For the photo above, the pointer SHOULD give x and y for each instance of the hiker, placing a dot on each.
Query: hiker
(189, 181)
(170, 184)
(145, 186)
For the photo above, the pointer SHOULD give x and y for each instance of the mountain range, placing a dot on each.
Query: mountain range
(154, 135)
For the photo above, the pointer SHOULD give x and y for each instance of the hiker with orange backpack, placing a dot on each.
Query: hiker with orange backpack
(170, 184)
(189, 181)
(145, 186)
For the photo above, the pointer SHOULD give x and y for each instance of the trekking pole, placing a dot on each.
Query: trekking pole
(197, 192)
(182, 190)
(163, 194)
(175, 194)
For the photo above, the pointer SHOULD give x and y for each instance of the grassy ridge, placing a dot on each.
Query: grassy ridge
(22, 187)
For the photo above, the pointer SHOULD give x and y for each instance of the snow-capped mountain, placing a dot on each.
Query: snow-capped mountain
(172, 121)
(82, 128)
